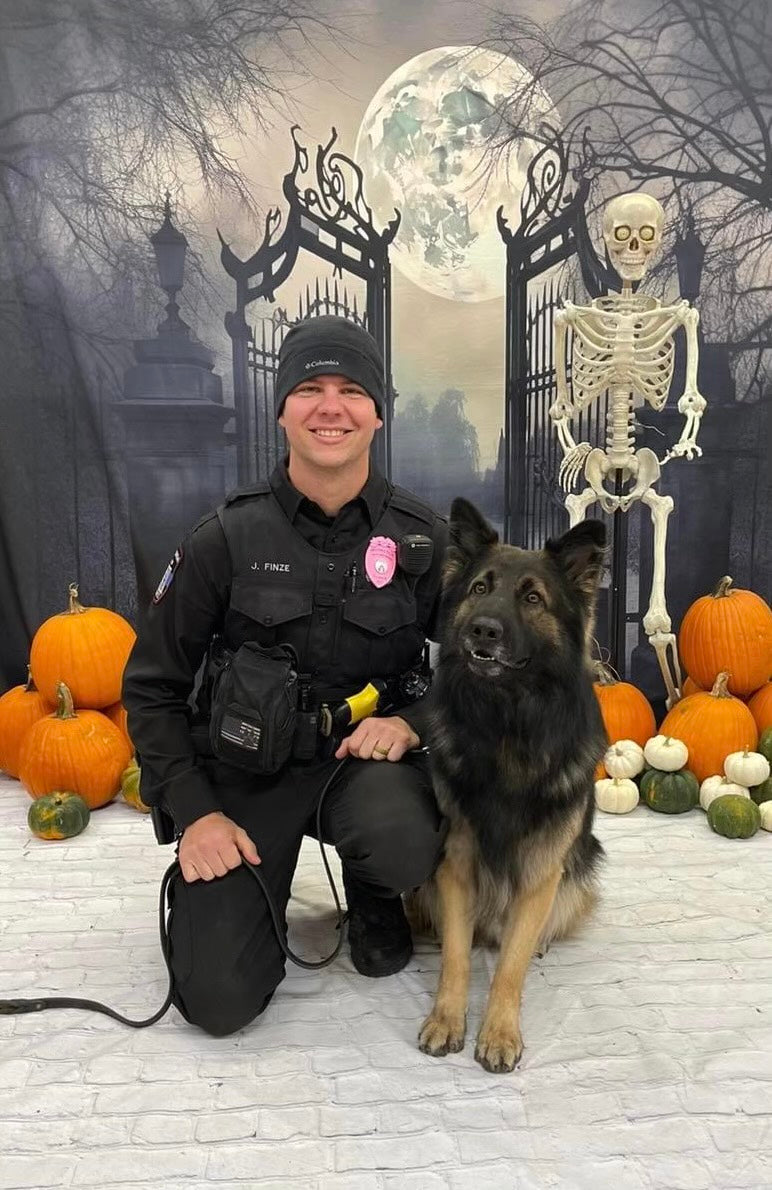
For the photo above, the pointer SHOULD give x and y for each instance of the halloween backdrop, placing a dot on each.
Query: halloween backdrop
(436, 170)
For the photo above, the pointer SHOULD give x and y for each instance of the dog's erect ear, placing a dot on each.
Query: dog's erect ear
(470, 534)
(580, 553)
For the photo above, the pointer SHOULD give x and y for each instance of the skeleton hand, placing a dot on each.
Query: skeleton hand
(572, 465)
(683, 450)
(692, 405)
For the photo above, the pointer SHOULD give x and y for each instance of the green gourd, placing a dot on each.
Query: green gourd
(670, 792)
(58, 815)
(764, 745)
(734, 817)
(762, 793)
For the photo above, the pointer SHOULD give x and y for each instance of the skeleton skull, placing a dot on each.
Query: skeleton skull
(632, 229)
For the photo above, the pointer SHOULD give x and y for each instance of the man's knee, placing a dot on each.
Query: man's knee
(220, 1009)
(397, 860)
(224, 958)
(395, 834)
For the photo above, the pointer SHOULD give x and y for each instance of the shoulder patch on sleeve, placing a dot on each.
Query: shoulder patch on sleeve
(168, 576)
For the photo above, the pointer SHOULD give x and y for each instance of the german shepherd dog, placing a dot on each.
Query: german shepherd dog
(516, 734)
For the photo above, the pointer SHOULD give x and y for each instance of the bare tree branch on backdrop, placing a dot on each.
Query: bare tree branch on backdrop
(676, 94)
(102, 105)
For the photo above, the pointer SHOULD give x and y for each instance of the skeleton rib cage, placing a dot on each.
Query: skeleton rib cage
(634, 348)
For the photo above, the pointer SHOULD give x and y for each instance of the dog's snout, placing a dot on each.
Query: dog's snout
(487, 630)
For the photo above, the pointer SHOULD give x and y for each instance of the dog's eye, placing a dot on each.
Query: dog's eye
(533, 597)
(480, 587)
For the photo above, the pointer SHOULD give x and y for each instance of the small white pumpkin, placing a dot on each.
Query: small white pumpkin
(713, 787)
(616, 795)
(666, 753)
(624, 759)
(765, 810)
(746, 768)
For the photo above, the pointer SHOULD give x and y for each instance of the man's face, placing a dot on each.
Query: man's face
(329, 421)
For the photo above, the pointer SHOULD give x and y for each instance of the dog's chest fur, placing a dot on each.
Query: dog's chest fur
(508, 790)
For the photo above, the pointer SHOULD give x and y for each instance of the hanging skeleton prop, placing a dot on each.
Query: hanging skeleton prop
(624, 343)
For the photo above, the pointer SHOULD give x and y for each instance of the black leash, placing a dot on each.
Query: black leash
(16, 1007)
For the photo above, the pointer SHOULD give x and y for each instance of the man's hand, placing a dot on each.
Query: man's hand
(379, 739)
(212, 845)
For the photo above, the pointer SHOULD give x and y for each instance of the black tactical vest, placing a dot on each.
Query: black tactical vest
(344, 630)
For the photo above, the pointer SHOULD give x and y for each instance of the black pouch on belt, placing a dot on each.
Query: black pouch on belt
(254, 707)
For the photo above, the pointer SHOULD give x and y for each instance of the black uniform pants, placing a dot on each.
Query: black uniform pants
(382, 818)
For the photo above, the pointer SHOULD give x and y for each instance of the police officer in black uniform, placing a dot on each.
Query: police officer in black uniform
(310, 559)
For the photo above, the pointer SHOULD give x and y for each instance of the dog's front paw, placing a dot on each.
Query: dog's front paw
(499, 1049)
(442, 1034)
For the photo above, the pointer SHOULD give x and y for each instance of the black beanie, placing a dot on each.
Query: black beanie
(328, 345)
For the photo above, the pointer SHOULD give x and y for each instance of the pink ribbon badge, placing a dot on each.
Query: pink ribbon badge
(381, 560)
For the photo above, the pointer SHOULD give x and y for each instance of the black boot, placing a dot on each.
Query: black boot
(378, 933)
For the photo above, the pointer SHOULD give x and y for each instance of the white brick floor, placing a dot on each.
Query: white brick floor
(648, 1059)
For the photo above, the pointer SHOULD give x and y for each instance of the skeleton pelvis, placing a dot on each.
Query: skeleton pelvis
(642, 467)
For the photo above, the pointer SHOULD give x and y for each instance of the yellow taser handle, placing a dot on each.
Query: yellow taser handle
(363, 703)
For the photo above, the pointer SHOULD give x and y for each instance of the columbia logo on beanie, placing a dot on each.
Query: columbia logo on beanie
(325, 344)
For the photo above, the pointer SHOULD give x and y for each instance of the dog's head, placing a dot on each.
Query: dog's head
(509, 611)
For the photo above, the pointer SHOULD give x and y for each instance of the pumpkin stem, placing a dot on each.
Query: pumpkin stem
(75, 608)
(721, 590)
(719, 686)
(64, 704)
(605, 674)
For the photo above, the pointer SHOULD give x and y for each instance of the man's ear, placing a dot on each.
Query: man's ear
(469, 535)
(580, 553)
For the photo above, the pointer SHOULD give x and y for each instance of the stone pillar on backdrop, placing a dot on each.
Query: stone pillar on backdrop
(173, 421)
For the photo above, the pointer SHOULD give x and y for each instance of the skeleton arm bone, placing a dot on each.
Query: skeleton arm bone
(562, 410)
(692, 404)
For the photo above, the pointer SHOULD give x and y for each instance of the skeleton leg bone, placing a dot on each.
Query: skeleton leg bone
(577, 505)
(656, 622)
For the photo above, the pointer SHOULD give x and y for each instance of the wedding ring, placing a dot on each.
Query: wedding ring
(381, 751)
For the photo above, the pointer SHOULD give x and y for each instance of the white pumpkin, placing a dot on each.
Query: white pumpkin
(765, 810)
(666, 753)
(713, 787)
(746, 768)
(624, 759)
(616, 795)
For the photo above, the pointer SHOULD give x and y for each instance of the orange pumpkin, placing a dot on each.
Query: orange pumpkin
(626, 711)
(118, 715)
(760, 706)
(81, 751)
(712, 723)
(729, 630)
(86, 648)
(20, 707)
(690, 687)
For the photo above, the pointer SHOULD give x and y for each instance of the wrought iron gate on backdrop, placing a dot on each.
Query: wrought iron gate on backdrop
(334, 226)
(552, 230)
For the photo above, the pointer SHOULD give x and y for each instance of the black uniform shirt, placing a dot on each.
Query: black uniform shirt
(331, 535)
(176, 632)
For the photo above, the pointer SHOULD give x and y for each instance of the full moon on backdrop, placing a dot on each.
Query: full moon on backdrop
(421, 146)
